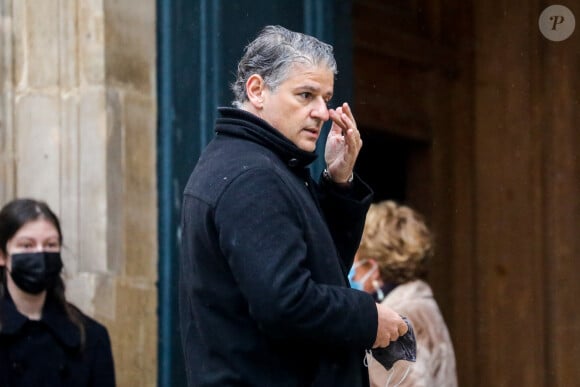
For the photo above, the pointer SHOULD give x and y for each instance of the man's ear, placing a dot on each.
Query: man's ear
(256, 88)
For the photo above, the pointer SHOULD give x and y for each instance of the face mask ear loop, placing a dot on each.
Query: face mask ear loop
(368, 359)
(391, 372)
(402, 378)
(380, 293)
(368, 275)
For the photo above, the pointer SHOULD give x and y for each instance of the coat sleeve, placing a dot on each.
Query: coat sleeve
(345, 211)
(261, 236)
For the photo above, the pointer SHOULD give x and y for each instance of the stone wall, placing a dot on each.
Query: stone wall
(78, 130)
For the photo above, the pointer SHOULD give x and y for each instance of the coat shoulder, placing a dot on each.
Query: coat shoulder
(95, 332)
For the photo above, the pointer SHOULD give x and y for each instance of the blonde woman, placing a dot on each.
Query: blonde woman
(392, 264)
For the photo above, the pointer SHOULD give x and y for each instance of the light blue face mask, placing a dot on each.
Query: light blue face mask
(360, 285)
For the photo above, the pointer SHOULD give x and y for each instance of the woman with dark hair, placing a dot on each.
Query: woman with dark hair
(44, 340)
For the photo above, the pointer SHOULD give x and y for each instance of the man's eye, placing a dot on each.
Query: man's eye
(306, 95)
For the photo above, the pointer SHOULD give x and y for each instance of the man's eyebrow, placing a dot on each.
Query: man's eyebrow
(313, 89)
(308, 88)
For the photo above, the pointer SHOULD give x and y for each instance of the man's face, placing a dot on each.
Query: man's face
(298, 106)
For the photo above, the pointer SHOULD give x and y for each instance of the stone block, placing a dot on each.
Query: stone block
(116, 171)
(68, 44)
(141, 189)
(91, 42)
(132, 332)
(131, 44)
(42, 44)
(80, 290)
(38, 148)
(69, 180)
(93, 220)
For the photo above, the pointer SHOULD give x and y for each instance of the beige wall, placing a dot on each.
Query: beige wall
(78, 130)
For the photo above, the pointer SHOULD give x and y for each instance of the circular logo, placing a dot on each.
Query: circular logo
(557, 23)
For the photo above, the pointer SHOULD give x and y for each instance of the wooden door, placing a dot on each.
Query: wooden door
(413, 92)
(471, 116)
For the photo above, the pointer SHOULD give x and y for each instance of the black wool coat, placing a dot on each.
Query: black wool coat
(47, 352)
(264, 295)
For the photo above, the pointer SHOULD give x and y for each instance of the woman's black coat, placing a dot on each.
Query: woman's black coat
(264, 295)
(47, 352)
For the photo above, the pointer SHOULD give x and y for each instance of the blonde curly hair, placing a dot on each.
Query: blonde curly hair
(398, 239)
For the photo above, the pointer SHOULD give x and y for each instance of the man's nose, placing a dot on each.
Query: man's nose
(321, 110)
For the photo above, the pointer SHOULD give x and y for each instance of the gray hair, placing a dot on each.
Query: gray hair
(273, 53)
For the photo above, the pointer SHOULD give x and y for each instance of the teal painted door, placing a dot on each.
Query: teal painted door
(199, 44)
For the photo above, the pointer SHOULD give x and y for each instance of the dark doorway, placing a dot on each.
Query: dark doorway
(394, 166)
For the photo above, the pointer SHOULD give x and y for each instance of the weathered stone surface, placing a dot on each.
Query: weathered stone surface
(41, 44)
(7, 155)
(78, 130)
(91, 47)
(93, 180)
(131, 39)
(135, 352)
(38, 147)
(141, 189)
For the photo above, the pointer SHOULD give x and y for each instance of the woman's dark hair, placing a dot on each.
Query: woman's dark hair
(13, 216)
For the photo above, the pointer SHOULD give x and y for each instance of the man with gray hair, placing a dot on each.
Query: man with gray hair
(264, 294)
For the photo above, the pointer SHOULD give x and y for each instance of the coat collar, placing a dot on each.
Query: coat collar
(53, 316)
(243, 124)
(411, 290)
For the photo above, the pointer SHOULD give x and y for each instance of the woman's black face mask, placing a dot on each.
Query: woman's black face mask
(35, 272)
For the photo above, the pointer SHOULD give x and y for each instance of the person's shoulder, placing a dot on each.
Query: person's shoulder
(93, 328)
(410, 295)
(414, 289)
